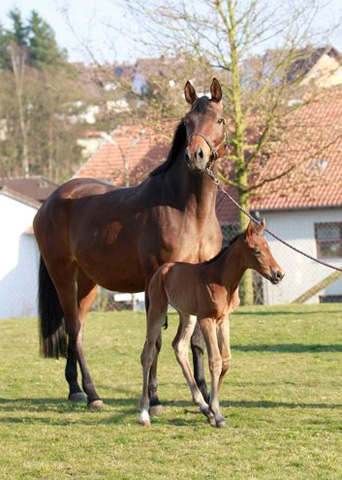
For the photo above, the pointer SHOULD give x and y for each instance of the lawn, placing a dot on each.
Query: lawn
(282, 400)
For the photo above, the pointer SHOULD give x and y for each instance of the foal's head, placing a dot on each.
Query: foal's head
(205, 127)
(258, 254)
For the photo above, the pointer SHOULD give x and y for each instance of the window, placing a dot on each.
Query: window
(330, 299)
(328, 239)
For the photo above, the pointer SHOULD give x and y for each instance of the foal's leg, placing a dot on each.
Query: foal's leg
(208, 326)
(155, 320)
(86, 297)
(155, 405)
(181, 347)
(223, 336)
(65, 282)
(198, 348)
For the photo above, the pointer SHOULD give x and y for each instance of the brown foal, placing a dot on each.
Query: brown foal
(208, 291)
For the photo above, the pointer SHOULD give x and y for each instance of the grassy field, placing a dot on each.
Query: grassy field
(282, 400)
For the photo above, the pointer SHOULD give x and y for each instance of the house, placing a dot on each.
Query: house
(321, 67)
(20, 198)
(305, 207)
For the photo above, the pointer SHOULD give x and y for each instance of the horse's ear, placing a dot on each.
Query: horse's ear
(190, 93)
(216, 90)
(249, 229)
(259, 229)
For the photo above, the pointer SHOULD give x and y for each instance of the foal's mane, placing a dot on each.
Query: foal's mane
(225, 249)
(178, 143)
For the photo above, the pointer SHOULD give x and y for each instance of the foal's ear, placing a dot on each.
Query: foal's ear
(259, 229)
(216, 90)
(250, 229)
(190, 93)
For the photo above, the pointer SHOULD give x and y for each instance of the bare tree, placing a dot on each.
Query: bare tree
(235, 37)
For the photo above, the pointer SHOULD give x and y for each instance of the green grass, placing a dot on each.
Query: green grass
(282, 400)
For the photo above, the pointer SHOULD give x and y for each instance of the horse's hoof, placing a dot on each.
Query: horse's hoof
(221, 424)
(95, 404)
(77, 397)
(211, 420)
(156, 410)
(144, 419)
(145, 423)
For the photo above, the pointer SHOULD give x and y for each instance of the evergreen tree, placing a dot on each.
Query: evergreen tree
(43, 48)
(35, 40)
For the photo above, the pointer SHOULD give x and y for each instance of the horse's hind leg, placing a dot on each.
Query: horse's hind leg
(198, 349)
(180, 345)
(86, 297)
(155, 319)
(64, 278)
(155, 405)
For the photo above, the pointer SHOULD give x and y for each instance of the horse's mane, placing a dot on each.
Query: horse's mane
(225, 249)
(178, 143)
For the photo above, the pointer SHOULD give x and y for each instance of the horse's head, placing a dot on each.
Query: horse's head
(205, 127)
(259, 256)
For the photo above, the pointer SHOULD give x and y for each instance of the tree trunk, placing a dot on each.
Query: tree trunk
(18, 67)
(246, 285)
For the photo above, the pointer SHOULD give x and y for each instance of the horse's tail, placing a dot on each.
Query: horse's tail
(53, 337)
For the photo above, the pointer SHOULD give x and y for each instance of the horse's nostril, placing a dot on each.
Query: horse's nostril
(200, 153)
(187, 157)
(279, 275)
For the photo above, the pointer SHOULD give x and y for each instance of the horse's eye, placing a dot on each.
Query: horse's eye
(221, 120)
(256, 252)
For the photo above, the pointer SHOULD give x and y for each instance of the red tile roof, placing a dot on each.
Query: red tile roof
(136, 146)
(312, 143)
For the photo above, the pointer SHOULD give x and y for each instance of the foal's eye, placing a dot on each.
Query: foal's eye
(256, 252)
(221, 120)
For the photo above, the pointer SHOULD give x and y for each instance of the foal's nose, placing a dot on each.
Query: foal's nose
(277, 275)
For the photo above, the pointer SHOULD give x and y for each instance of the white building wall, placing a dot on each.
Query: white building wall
(297, 228)
(18, 260)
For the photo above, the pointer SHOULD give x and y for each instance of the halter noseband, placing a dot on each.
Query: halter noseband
(213, 150)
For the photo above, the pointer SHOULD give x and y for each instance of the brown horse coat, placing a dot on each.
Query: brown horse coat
(208, 290)
(90, 233)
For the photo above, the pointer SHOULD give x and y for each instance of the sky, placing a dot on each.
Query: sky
(78, 22)
(83, 22)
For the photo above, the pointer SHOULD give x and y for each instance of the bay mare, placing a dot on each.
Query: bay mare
(90, 233)
(208, 290)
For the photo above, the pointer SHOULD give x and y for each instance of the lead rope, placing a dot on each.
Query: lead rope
(216, 181)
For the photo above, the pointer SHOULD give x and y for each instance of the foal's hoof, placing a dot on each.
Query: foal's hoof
(221, 423)
(77, 397)
(95, 404)
(156, 410)
(144, 419)
(145, 423)
(211, 420)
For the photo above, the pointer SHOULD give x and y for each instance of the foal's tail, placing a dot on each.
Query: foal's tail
(53, 337)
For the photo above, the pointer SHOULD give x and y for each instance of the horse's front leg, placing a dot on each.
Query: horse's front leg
(198, 349)
(208, 327)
